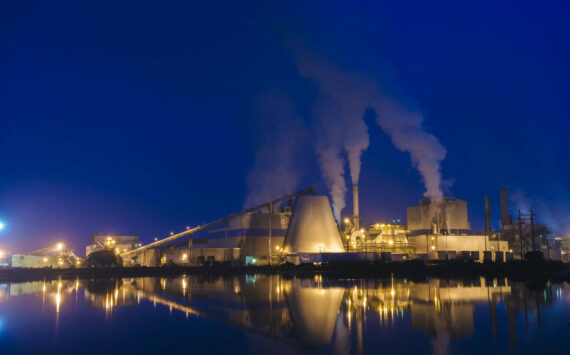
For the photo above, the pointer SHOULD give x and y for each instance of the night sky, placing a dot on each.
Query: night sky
(139, 117)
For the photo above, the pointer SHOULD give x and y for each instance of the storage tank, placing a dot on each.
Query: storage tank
(312, 228)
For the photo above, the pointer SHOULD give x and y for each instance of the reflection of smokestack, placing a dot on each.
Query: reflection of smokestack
(355, 216)
(504, 208)
(487, 216)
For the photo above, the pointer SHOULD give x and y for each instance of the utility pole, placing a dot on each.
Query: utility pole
(520, 235)
(270, 206)
(532, 215)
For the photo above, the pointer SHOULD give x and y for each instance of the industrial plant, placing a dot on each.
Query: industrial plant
(301, 228)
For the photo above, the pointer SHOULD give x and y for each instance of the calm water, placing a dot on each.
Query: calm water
(270, 314)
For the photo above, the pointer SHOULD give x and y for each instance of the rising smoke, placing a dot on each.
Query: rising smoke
(278, 163)
(406, 131)
(350, 95)
(340, 129)
(329, 151)
(339, 113)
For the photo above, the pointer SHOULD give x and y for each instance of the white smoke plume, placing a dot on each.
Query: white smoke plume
(406, 131)
(329, 140)
(339, 113)
(278, 167)
(350, 95)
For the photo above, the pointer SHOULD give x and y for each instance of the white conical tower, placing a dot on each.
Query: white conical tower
(312, 228)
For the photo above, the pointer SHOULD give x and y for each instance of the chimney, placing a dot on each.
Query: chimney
(356, 216)
(434, 227)
(504, 208)
(487, 216)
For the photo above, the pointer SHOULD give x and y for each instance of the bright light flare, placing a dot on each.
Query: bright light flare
(1, 226)
(59, 246)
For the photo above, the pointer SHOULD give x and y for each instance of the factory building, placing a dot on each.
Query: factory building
(476, 247)
(381, 238)
(38, 261)
(449, 217)
(446, 233)
(120, 243)
(250, 237)
(307, 232)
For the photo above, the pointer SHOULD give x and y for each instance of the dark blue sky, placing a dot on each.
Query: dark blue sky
(142, 117)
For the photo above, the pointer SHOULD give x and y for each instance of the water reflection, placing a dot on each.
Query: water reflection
(320, 314)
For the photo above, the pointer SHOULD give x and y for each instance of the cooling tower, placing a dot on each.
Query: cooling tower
(312, 228)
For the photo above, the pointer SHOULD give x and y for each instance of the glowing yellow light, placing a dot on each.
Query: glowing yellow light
(362, 230)
(45, 260)
(59, 246)
(432, 238)
(171, 233)
(377, 225)
(187, 227)
(382, 225)
(277, 248)
(184, 256)
(433, 247)
(510, 250)
(391, 242)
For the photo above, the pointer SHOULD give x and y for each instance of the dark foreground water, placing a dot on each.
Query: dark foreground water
(269, 314)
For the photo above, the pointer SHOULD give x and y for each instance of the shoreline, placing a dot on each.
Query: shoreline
(414, 270)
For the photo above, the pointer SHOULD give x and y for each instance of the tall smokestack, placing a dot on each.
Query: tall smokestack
(356, 216)
(504, 208)
(487, 216)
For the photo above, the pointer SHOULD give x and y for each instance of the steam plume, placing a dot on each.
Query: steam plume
(329, 151)
(346, 102)
(277, 169)
(350, 95)
(405, 129)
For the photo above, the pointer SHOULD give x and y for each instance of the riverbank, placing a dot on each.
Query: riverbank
(515, 270)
